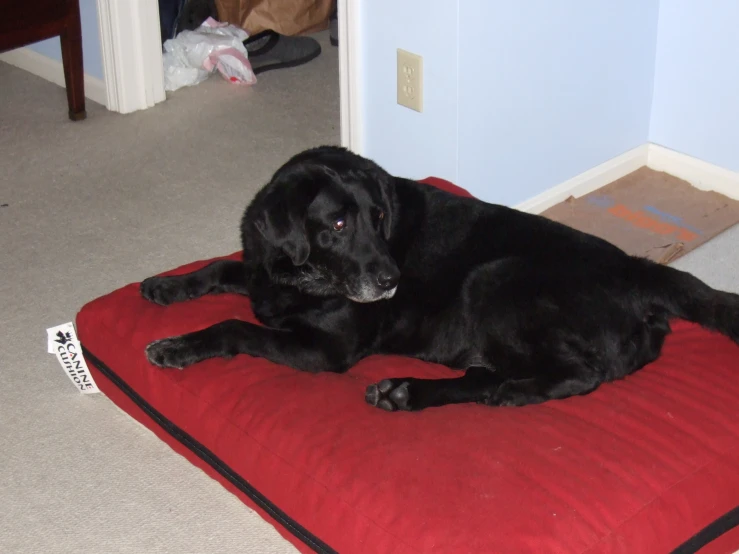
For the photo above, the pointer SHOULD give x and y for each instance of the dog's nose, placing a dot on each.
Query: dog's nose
(387, 280)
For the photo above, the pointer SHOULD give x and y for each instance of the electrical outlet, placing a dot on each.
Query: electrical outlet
(410, 80)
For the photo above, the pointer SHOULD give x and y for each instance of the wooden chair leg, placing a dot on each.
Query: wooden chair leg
(71, 39)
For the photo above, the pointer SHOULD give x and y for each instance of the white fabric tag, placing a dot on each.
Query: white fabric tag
(62, 342)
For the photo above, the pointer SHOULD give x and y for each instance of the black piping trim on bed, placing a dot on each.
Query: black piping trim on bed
(710, 532)
(212, 460)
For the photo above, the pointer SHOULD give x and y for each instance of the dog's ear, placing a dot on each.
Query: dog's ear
(283, 226)
(280, 209)
(390, 199)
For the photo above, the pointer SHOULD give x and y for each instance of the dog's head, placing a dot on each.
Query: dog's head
(324, 223)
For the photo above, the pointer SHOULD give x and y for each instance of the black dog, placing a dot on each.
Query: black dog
(342, 261)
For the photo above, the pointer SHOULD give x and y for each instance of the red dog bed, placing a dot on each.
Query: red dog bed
(649, 464)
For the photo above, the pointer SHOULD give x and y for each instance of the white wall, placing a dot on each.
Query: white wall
(91, 51)
(406, 142)
(519, 95)
(696, 91)
(547, 90)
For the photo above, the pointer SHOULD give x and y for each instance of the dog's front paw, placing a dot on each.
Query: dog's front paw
(164, 290)
(176, 352)
(393, 394)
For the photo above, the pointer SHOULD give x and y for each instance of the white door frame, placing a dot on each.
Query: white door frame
(130, 41)
(350, 74)
(132, 60)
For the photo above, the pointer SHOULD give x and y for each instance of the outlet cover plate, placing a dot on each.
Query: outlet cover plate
(410, 80)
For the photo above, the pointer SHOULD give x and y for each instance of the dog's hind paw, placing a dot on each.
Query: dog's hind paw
(390, 395)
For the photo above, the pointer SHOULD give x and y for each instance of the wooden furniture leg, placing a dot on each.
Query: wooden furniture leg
(71, 39)
(24, 22)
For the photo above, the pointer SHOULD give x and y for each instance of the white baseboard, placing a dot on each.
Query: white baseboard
(589, 181)
(53, 70)
(700, 174)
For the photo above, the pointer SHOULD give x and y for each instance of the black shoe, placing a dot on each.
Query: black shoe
(271, 50)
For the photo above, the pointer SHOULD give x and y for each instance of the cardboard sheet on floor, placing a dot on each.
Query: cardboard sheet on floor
(650, 213)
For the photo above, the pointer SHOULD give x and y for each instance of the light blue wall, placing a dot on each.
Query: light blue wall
(406, 142)
(565, 84)
(91, 51)
(547, 90)
(696, 91)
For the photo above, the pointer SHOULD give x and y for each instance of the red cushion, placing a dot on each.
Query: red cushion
(639, 465)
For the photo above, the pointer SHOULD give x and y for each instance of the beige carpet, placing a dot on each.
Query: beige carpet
(95, 205)
(92, 206)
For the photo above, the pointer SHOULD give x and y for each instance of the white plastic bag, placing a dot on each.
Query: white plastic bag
(192, 56)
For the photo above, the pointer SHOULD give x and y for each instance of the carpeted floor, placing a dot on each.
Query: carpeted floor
(92, 206)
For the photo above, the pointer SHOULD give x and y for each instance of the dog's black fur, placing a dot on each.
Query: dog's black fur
(342, 261)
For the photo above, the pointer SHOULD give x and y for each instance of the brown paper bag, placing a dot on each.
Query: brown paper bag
(287, 17)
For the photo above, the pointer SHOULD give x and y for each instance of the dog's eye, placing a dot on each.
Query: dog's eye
(381, 215)
(339, 224)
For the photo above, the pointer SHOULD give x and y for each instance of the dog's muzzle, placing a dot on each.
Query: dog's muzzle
(374, 290)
